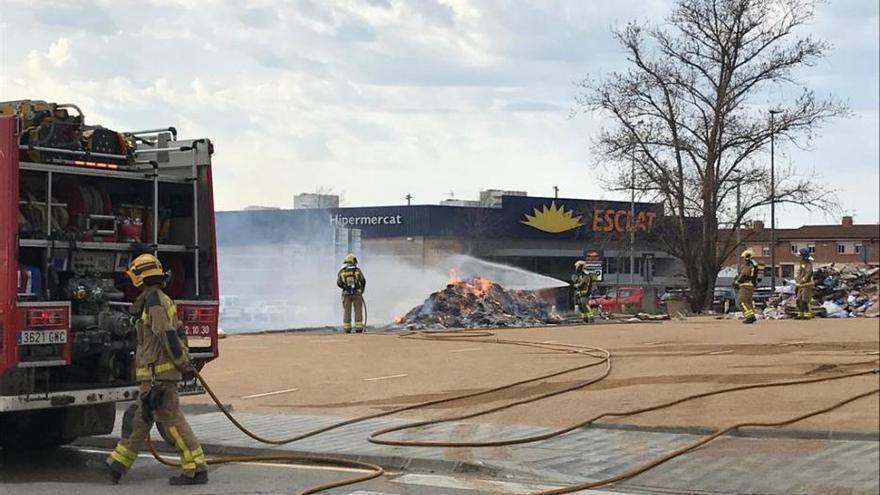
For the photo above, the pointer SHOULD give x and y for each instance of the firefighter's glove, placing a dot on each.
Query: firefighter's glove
(149, 403)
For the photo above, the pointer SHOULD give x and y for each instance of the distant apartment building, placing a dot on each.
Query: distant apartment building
(844, 243)
(489, 198)
(315, 200)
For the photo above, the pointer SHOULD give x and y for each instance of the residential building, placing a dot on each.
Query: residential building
(845, 243)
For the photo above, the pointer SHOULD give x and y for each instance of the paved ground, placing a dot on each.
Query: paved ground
(281, 385)
(322, 379)
(769, 463)
(352, 375)
(66, 471)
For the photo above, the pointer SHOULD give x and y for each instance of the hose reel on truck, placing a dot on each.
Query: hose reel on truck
(66, 337)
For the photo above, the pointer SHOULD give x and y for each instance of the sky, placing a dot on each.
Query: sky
(377, 99)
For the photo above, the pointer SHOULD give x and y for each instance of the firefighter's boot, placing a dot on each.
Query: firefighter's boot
(112, 470)
(200, 478)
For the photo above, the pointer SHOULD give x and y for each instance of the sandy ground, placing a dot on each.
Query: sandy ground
(352, 375)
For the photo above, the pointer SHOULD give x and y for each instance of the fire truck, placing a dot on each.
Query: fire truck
(77, 202)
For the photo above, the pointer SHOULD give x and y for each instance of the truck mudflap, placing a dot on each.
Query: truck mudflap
(51, 400)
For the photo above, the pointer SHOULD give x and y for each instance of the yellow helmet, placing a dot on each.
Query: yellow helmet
(748, 253)
(145, 265)
(579, 264)
(350, 259)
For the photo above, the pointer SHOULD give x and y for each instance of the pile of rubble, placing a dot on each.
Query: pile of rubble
(841, 292)
(479, 303)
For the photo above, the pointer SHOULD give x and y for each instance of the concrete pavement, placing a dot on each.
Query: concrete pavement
(767, 464)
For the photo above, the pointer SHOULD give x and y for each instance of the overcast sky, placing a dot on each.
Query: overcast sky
(379, 98)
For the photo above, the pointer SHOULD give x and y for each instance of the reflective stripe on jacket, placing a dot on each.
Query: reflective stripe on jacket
(351, 279)
(748, 275)
(583, 282)
(804, 276)
(158, 316)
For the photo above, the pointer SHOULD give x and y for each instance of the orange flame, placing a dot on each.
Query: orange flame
(483, 285)
(477, 286)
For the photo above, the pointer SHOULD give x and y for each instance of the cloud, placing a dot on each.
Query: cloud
(531, 106)
(382, 98)
(86, 15)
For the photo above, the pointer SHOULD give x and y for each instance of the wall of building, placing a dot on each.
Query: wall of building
(829, 244)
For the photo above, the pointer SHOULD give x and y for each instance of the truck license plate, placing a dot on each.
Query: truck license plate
(40, 337)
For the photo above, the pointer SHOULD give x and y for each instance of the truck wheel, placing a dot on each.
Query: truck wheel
(34, 429)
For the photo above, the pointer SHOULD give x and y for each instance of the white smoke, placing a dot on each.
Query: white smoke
(281, 286)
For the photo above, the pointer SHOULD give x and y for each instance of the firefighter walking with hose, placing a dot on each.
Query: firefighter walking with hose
(351, 280)
(583, 281)
(805, 285)
(745, 285)
(161, 356)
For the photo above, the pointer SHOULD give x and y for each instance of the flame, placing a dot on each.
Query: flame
(553, 219)
(453, 277)
(398, 319)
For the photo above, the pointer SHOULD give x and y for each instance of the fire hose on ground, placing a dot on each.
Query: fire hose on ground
(602, 357)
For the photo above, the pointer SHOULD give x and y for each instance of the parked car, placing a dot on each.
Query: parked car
(676, 294)
(761, 295)
(616, 299)
(724, 299)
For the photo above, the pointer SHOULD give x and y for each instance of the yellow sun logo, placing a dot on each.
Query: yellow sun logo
(553, 219)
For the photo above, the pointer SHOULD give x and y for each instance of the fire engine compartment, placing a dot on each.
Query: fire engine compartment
(78, 228)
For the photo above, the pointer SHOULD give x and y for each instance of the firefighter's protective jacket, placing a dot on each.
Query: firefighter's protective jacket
(748, 275)
(804, 275)
(160, 351)
(583, 282)
(351, 280)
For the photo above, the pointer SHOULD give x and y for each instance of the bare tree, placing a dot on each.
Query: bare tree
(693, 109)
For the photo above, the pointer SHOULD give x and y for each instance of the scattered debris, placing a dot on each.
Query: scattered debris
(479, 303)
(841, 292)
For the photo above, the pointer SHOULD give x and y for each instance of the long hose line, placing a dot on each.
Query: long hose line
(699, 443)
(602, 356)
(374, 471)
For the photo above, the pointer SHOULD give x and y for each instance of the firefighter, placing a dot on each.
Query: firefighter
(805, 285)
(352, 282)
(745, 285)
(583, 281)
(161, 357)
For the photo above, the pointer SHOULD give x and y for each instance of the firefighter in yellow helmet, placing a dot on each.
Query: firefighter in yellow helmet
(745, 284)
(161, 357)
(351, 280)
(805, 285)
(583, 282)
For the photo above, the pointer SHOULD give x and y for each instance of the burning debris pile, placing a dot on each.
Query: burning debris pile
(841, 292)
(479, 303)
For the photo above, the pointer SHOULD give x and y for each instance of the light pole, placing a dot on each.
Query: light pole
(555, 192)
(632, 223)
(738, 222)
(632, 209)
(408, 198)
(773, 201)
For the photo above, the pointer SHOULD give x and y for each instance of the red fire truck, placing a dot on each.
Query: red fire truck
(77, 202)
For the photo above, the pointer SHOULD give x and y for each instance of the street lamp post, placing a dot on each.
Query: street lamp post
(738, 222)
(632, 223)
(772, 202)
